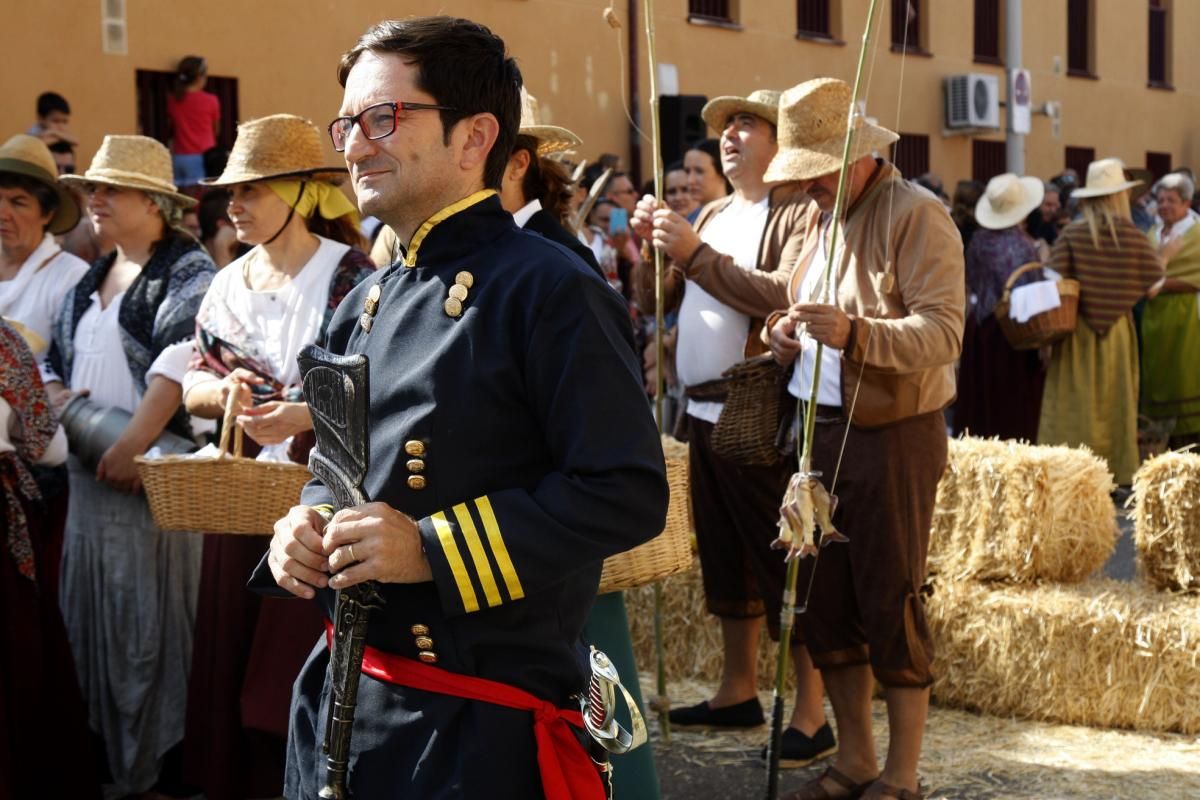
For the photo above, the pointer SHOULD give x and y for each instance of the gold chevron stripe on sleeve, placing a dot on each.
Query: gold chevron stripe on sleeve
(482, 568)
(492, 528)
(457, 568)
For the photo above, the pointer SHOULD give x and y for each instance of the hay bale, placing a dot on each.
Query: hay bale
(1019, 513)
(692, 636)
(1101, 653)
(1166, 514)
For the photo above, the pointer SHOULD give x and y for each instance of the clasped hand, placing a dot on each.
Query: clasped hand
(367, 542)
(827, 324)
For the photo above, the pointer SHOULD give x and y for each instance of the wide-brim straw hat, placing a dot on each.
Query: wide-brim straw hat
(550, 138)
(278, 146)
(28, 156)
(1104, 177)
(812, 132)
(761, 103)
(133, 162)
(1007, 200)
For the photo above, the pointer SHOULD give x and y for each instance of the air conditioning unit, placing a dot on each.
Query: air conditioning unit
(972, 101)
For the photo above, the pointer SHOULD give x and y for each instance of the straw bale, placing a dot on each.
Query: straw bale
(1013, 512)
(1102, 653)
(691, 636)
(1166, 514)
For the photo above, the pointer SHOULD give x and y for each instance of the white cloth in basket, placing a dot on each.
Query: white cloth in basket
(1032, 299)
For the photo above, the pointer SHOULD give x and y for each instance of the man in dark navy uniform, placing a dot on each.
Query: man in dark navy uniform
(512, 449)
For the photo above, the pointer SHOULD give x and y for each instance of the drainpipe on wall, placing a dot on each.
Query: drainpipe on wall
(635, 106)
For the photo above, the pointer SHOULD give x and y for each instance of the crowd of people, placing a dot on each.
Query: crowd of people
(513, 370)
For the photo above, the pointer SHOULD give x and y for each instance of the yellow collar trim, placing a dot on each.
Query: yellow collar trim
(410, 258)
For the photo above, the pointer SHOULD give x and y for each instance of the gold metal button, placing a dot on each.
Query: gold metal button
(415, 465)
(458, 292)
(419, 630)
(374, 293)
(465, 278)
(366, 321)
(416, 482)
(414, 447)
(427, 656)
(453, 307)
(424, 643)
(370, 306)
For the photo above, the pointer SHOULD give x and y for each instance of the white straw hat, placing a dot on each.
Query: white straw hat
(761, 103)
(1008, 199)
(1106, 176)
(812, 132)
(551, 138)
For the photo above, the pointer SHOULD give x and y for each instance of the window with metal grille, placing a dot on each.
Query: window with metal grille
(911, 154)
(987, 31)
(906, 26)
(1079, 38)
(1159, 70)
(813, 19)
(716, 10)
(988, 159)
(1158, 164)
(1078, 158)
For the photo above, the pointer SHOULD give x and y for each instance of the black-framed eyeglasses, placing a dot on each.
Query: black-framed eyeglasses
(375, 121)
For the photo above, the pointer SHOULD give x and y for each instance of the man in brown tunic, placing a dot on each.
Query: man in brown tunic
(890, 319)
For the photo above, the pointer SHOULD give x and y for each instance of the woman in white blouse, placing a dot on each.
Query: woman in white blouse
(35, 273)
(124, 335)
(260, 311)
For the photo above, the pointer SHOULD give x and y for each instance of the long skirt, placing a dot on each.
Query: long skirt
(248, 651)
(129, 601)
(1171, 361)
(1091, 396)
(45, 748)
(999, 388)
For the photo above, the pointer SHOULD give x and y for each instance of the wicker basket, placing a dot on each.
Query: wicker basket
(746, 431)
(223, 494)
(666, 554)
(1041, 329)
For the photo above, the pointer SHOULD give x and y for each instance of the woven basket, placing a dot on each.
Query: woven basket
(666, 554)
(746, 431)
(223, 494)
(1041, 329)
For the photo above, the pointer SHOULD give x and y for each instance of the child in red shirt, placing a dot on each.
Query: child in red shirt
(195, 119)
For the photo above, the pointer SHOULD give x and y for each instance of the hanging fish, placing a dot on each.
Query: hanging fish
(806, 507)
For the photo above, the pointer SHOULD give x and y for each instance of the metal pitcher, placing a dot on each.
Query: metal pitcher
(92, 428)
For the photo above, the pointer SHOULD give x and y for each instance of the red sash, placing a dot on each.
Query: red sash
(567, 771)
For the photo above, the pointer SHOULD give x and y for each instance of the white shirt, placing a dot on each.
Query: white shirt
(529, 209)
(101, 366)
(34, 297)
(829, 393)
(278, 321)
(712, 336)
(1177, 230)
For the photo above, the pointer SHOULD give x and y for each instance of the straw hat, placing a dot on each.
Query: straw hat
(761, 103)
(1007, 200)
(1106, 176)
(278, 146)
(812, 132)
(29, 156)
(551, 138)
(133, 162)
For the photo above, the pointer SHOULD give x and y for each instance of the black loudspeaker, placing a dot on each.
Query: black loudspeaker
(681, 124)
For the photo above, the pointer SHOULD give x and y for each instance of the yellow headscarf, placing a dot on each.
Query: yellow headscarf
(321, 196)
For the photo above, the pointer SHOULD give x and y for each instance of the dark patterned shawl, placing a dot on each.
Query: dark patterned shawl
(21, 387)
(221, 350)
(159, 309)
